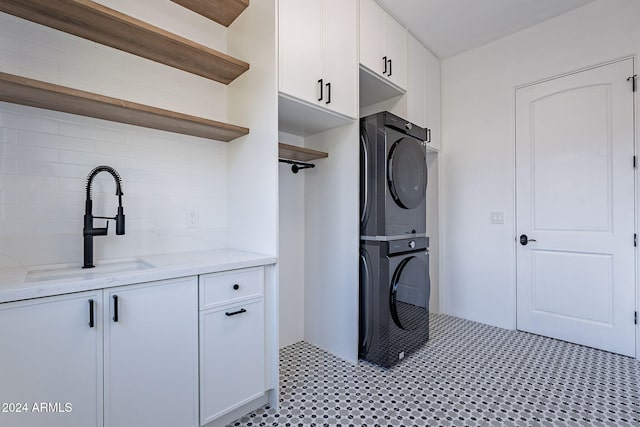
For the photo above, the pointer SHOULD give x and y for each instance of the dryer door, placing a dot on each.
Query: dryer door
(366, 301)
(366, 171)
(409, 297)
(407, 173)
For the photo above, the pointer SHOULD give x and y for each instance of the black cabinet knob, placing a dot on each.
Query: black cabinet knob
(236, 287)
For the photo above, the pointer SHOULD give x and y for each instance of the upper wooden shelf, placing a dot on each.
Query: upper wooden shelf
(224, 12)
(21, 90)
(301, 154)
(109, 27)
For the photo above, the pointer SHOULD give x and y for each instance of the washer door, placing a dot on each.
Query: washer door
(407, 173)
(409, 293)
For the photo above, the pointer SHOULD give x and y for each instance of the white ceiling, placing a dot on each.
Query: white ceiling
(449, 27)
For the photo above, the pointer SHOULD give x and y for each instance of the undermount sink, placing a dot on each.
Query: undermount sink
(75, 271)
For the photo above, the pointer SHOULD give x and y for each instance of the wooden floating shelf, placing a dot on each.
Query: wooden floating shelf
(21, 90)
(301, 154)
(109, 27)
(223, 12)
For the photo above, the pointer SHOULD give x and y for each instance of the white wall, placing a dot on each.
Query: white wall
(292, 243)
(477, 162)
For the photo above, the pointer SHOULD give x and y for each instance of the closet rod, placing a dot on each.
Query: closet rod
(296, 165)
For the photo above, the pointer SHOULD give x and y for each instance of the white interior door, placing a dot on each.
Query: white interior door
(575, 200)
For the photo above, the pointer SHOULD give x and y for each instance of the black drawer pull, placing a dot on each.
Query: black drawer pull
(236, 287)
(233, 313)
(91, 324)
(115, 308)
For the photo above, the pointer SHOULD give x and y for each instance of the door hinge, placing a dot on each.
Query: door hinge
(633, 79)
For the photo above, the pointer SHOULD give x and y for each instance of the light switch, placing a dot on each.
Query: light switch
(497, 217)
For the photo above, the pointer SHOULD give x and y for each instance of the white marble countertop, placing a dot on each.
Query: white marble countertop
(35, 282)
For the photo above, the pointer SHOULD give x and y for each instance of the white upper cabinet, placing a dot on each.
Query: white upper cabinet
(340, 36)
(383, 44)
(416, 82)
(300, 48)
(423, 90)
(432, 98)
(318, 53)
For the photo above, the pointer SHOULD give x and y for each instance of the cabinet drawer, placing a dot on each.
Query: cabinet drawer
(230, 286)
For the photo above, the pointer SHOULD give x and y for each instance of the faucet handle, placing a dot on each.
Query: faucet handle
(120, 222)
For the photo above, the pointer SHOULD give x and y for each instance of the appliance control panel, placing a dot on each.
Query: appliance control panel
(407, 245)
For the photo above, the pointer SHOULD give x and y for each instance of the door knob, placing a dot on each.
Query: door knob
(524, 240)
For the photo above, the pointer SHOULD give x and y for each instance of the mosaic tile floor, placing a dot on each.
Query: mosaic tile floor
(468, 374)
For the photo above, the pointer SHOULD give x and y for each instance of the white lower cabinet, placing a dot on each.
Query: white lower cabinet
(129, 356)
(232, 345)
(150, 354)
(51, 361)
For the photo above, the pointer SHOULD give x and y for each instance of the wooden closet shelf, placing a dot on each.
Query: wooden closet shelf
(301, 154)
(223, 12)
(25, 91)
(109, 27)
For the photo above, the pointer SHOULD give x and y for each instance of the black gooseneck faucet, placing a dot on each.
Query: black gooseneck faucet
(89, 230)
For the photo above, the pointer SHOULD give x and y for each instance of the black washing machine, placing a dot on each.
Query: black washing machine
(393, 177)
(394, 298)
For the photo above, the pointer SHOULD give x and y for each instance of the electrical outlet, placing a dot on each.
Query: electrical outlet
(497, 217)
(193, 218)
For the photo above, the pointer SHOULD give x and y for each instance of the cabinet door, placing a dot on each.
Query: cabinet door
(395, 37)
(372, 50)
(433, 99)
(232, 358)
(300, 45)
(340, 49)
(52, 356)
(151, 362)
(416, 81)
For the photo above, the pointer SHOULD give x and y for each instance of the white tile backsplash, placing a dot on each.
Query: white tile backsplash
(43, 183)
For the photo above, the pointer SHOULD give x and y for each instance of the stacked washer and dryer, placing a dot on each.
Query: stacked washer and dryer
(394, 254)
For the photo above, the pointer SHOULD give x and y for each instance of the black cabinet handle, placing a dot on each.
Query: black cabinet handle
(233, 313)
(328, 93)
(236, 287)
(390, 67)
(428, 135)
(115, 308)
(384, 59)
(91, 324)
(321, 83)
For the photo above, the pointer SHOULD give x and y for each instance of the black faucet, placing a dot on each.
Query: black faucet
(89, 230)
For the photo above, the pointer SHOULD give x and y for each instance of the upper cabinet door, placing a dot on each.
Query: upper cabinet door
(432, 99)
(383, 44)
(416, 81)
(300, 42)
(372, 51)
(339, 29)
(396, 51)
